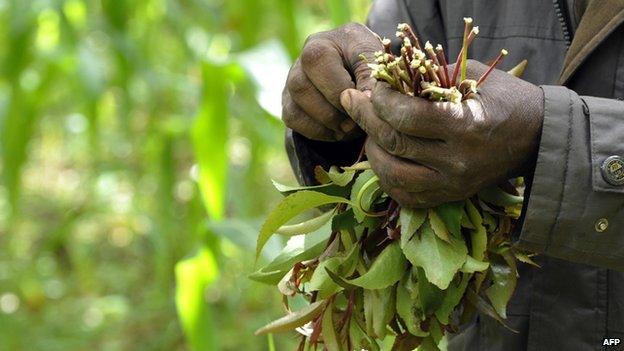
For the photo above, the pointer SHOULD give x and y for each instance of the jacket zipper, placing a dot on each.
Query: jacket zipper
(563, 20)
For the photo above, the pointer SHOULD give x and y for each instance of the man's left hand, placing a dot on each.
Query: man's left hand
(427, 153)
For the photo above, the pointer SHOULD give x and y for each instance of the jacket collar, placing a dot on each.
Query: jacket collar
(599, 19)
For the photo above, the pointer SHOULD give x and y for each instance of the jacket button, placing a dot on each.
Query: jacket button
(613, 170)
(601, 225)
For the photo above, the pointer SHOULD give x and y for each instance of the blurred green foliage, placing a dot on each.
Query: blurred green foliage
(135, 135)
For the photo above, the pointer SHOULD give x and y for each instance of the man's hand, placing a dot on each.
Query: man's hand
(328, 65)
(426, 153)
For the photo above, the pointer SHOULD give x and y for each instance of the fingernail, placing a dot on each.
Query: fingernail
(347, 126)
(345, 99)
(368, 93)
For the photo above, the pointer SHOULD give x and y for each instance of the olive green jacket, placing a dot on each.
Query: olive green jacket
(574, 211)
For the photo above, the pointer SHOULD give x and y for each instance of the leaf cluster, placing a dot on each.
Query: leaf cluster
(371, 269)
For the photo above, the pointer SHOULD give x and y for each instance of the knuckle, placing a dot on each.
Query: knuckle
(314, 51)
(297, 83)
(352, 28)
(313, 37)
(287, 115)
(459, 168)
(398, 146)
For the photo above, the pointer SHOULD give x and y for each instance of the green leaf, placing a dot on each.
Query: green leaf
(451, 214)
(340, 281)
(267, 277)
(387, 269)
(523, 257)
(410, 221)
(406, 342)
(294, 320)
(431, 297)
(379, 308)
(359, 338)
(193, 276)
(439, 259)
(331, 340)
(454, 294)
(334, 175)
(471, 265)
(438, 226)
(328, 189)
(435, 331)
(306, 226)
(343, 221)
(360, 166)
(503, 285)
(465, 221)
(478, 237)
(321, 176)
(485, 308)
(321, 281)
(364, 189)
(428, 344)
(291, 206)
(489, 222)
(288, 189)
(496, 196)
(327, 277)
(408, 308)
(209, 135)
(300, 248)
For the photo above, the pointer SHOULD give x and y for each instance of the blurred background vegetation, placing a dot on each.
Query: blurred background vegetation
(137, 142)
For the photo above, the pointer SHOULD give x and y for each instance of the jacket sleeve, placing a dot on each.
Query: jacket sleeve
(575, 209)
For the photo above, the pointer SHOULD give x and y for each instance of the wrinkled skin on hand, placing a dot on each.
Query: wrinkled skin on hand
(427, 153)
(328, 65)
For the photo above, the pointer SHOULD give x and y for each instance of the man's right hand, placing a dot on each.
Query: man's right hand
(328, 65)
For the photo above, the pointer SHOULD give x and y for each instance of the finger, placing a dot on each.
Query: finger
(432, 153)
(323, 65)
(296, 119)
(358, 40)
(397, 173)
(415, 116)
(310, 100)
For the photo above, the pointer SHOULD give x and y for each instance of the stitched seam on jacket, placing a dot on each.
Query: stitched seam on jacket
(565, 176)
(592, 147)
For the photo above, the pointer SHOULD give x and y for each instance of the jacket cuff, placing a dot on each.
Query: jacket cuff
(570, 202)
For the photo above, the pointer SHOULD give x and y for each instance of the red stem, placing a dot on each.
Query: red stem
(491, 68)
(459, 56)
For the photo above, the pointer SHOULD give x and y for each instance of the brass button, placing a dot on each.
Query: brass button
(613, 170)
(601, 225)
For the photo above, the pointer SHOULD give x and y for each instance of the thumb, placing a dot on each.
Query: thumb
(359, 107)
(352, 99)
(362, 75)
